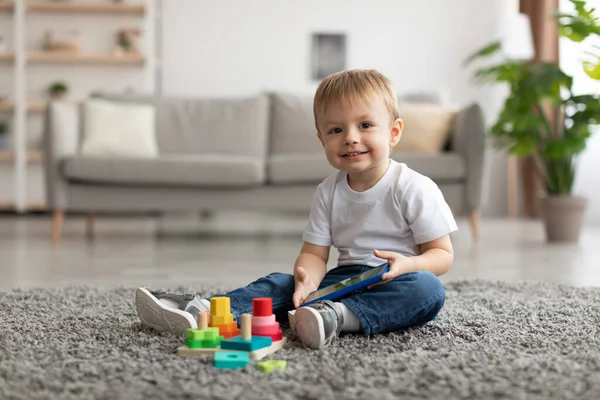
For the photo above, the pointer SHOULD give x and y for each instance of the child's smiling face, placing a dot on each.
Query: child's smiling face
(357, 137)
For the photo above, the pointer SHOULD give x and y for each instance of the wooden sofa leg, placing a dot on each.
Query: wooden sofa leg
(89, 225)
(57, 224)
(474, 221)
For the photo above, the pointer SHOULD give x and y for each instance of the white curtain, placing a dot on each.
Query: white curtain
(587, 178)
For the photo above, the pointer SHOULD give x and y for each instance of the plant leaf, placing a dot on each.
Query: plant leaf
(483, 52)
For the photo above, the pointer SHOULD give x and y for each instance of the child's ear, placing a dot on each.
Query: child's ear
(320, 138)
(396, 132)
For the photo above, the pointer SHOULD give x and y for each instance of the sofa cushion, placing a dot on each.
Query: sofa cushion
(112, 129)
(292, 125)
(231, 126)
(298, 168)
(310, 168)
(439, 167)
(426, 129)
(168, 170)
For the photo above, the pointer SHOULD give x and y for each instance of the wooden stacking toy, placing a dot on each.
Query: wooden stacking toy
(222, 318)
(221, 334)
(263, 319)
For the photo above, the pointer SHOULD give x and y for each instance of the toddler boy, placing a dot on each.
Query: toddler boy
(373, 210)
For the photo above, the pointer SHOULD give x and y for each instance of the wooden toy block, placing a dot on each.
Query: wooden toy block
(206, 334)
(211, 334)
(246, 325)
(211, 343)
(262, 306)
(255, 343)
(275, 337)
(259, 321)
(229, 335)
(185, 351)
(265, 330)
(227, 327)
(219, 306)
(228, 330)
(222, 319)
(194, 334)
(203, 344)
(203, 320)
(270, 365)
(262, 353)
(228, 359)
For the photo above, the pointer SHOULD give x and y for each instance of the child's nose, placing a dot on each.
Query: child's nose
(351, 136)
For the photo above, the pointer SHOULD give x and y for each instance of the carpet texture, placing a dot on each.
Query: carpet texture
(492, 340)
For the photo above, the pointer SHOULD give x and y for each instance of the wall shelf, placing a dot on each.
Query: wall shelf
(86, 8)
(7, 206)
(32, 106)
(76, 58)
(7, 56)
(34, 156)
(6, 6)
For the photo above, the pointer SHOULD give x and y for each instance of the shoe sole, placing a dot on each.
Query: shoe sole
(160, 317)
(309, 327)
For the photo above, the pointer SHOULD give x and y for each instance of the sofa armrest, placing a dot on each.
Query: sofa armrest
(60, 139)
(469, 138)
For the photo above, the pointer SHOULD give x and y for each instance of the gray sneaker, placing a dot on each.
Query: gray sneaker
(319, 324)
(158, 315)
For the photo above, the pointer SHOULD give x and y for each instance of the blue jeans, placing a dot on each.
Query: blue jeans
(411, 299)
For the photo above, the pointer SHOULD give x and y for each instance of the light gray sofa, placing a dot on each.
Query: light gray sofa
(240, 153)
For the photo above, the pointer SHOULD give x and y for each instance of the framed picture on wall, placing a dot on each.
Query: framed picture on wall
(328, 54)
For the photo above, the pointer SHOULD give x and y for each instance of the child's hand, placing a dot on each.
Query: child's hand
(304, 286)
(399, 264)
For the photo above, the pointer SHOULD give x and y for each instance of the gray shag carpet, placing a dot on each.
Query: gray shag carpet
(492, 340)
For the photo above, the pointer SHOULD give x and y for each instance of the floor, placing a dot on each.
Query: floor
(235, 248)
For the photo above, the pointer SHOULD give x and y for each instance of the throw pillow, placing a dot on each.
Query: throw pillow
(118, 129)
(427, 127)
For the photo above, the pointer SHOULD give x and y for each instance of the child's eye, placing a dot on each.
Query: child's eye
(365, 125)
(336, 130)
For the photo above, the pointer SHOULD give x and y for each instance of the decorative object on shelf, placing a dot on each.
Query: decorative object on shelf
(128, 41)
(3, 134)
(58, 90)
(67, 45)
(544, 119)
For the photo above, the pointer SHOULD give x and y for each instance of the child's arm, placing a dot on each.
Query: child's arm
(309, 270)
(436, 256)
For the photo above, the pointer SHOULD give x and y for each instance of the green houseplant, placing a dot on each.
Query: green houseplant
(543, 119)
(58, 89)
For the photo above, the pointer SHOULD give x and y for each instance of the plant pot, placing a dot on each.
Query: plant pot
(58, 95)
(563, 217)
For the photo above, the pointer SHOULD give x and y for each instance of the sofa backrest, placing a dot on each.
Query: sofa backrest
(235, 126)
(292, 125)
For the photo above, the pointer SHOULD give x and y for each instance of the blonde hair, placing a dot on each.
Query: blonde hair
(355, 86)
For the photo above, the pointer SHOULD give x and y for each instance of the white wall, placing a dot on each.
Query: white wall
(588, 164)
(236, 48)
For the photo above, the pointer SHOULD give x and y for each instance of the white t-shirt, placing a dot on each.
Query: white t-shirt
(401, 211)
